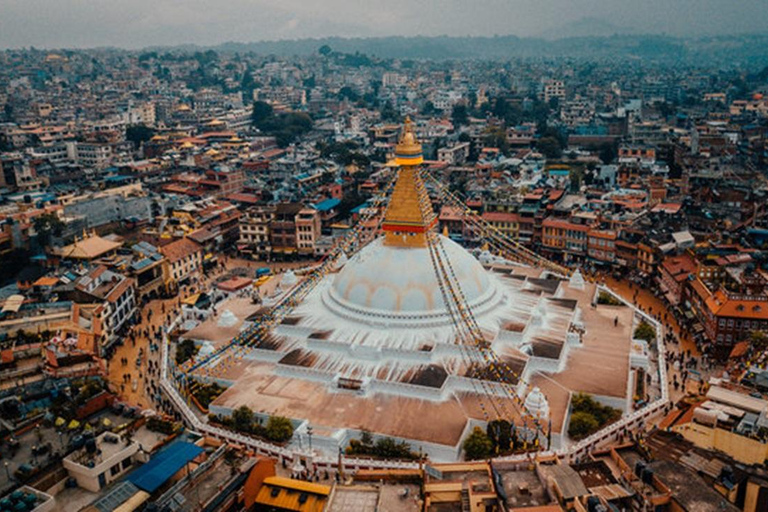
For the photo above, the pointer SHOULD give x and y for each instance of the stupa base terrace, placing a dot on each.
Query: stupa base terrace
(328, 366)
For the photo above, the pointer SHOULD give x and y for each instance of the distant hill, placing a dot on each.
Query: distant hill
(587, 27)
(715, 50)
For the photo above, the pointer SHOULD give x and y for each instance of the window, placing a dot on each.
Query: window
(114, 470)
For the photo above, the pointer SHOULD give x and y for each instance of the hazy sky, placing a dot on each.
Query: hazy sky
(138, 23)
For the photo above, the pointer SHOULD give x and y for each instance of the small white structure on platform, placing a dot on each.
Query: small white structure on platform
(537, 404)
(227, 319)
(206, 349)
(289, 280)
(577, 281)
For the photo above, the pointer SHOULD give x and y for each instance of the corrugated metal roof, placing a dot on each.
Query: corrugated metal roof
(164, 465)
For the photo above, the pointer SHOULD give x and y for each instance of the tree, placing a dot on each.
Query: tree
(139, 133)
(348, 93)
(459, 115)
(261, 112)
(497, 138)
(388, 113)
(645, 331)
(477, 445)
(242, 418)
(279, 429)
(366, 439)
(607, 153)
(549, 147)
(589, 416)
(46, 226)
(284, 127)
(324, 50)
(185, 350)
(582, 425)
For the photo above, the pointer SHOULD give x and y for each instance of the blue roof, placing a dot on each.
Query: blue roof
(119, 177)
(326, 205)
(357, 209)
(163, 466)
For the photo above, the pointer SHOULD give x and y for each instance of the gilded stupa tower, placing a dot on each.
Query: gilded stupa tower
(409, 215)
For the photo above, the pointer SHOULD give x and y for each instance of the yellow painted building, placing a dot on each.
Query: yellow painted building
(743, 449)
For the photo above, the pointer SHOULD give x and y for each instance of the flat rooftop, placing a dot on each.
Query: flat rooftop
(375, 498)
(523, 489)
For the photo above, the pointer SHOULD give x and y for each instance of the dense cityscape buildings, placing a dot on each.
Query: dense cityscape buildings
(342, 281)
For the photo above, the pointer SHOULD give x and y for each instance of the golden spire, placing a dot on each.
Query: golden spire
(409, 215)
(408, 149)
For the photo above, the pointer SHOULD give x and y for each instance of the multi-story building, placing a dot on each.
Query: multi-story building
(577, 112)
(283, 229)
(564, 238)
(601, 246)
(148, 268)
(255, 231)
(554, 89)
(185, 260)
(117, 295)
(505, 223)
(454, 155)
(674, 273)
(308, 227)
(726, 317)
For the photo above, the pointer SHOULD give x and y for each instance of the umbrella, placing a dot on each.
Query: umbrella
(60, 421)
(73, 425)
(106, 422)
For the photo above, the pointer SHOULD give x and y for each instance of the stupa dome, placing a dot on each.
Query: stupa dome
(384, 283)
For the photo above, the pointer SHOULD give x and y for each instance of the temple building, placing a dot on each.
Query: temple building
(375, 346)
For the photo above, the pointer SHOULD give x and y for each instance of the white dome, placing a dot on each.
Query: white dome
(289, 279)
(536, 404)
(227, 319)
(384, 284)
(206, 349)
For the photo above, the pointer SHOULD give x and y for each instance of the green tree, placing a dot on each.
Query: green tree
(478, 445)
(279, 429)
(324, 50)
(348, 93)
(185, 350)
(549, 147)
(261, 112)
(388, 113)
(459, 115)
(608, 153)
(497, 138)
(582, 425)
(139, 133)
(366, 439)
(46, 226)
(242, 418)
(645, 331)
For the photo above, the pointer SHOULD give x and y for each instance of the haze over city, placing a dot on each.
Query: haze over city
(140, 23)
